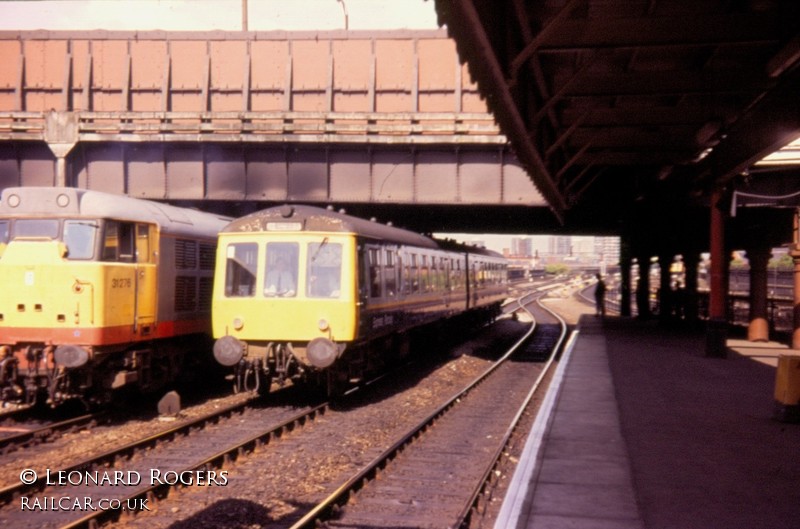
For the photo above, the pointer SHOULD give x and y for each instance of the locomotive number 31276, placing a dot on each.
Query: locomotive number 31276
(124, 282)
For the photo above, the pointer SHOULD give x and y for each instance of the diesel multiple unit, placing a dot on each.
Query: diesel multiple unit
(312, 295)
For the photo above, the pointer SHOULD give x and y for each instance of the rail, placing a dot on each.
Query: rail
(46, 432)
(330, 505)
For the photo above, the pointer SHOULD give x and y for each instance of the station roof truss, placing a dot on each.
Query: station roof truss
(607, 103)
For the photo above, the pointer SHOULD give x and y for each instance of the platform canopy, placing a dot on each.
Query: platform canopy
(638, 105)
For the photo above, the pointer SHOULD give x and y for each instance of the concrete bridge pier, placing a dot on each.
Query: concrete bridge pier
(61, 135)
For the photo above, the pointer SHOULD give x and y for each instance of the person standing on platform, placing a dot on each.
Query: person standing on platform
(600, 296)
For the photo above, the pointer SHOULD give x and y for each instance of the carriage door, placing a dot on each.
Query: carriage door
(145, 316)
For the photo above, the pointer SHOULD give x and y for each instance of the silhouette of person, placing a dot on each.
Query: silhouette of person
(600, 296)
(679, 300)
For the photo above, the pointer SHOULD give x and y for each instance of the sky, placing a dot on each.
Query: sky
(181, 15)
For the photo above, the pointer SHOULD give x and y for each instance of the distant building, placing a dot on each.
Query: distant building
(560, 246)
(521, 247)
(607, 249)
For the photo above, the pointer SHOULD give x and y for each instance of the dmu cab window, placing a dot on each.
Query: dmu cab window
(324, 270)
(280, 279)
(240, 269)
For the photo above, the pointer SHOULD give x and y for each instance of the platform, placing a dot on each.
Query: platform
(643, 431)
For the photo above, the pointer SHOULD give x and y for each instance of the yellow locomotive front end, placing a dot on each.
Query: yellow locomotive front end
(69, 297)
(99, 292)
(284, 304)
(56, 316)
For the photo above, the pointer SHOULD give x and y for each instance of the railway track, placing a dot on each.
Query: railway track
(15, 435)
(152, 467)
(441, 473)
(288, 477)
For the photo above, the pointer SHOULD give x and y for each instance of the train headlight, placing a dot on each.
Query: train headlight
(71, 356)
(228, 351)
(321, 352)
(323, 325)
(238, 323)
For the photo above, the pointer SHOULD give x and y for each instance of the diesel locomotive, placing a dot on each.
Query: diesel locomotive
(99, 291)
(323, 298)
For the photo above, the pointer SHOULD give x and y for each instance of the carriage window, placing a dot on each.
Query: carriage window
(324, 269)
(240, 269)
(401, 272)
(458, 277)
(281, 276)
(375, 282)
(407, 280)
(414, 273)
(390, 275)
(424, 275)
(36, 228)
(79, 236)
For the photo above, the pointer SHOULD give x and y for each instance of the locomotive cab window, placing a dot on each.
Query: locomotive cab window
(119, 242)
(324, 270)
(36, 228)
(80, 237)
(280, 279)
(240, 269)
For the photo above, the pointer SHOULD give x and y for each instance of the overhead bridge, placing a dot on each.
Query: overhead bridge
(345, 117)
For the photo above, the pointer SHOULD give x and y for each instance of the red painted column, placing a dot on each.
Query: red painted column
(717, 331)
